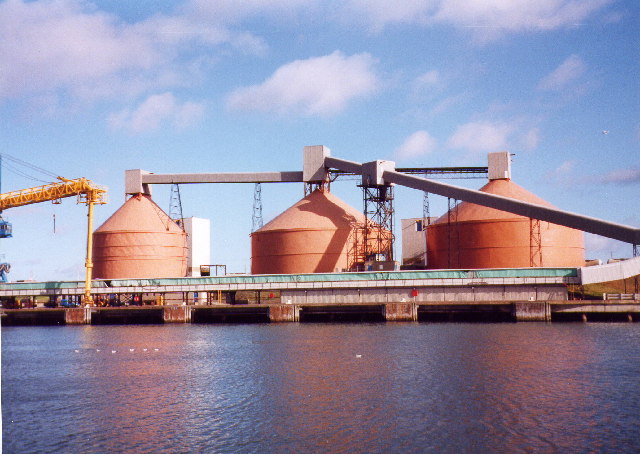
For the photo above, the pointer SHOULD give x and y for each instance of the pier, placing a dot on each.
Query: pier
(491, 295)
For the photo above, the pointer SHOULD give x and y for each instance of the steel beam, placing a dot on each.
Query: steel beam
(222, 177)
(607, 229)
(343, 164)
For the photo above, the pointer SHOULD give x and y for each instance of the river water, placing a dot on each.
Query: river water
(293, 388)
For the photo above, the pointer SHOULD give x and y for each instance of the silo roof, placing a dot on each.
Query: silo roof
(139, 214)
(320, 210)
(472, 212)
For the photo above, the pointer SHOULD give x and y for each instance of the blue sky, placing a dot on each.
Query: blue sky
(94, 88)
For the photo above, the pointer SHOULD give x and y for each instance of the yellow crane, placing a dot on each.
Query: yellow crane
(87, 193)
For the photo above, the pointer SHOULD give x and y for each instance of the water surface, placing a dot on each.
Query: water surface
(388, 387)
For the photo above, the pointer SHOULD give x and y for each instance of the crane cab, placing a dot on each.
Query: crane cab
(5, 229)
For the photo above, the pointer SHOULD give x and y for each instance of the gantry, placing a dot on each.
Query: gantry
(87, 192)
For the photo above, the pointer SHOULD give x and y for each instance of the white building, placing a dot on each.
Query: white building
(198, 244)
(414, 242)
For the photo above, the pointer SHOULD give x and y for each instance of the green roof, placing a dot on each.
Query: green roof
(293, 278)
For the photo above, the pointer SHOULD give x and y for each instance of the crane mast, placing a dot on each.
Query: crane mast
(87, 192)
(5, 232)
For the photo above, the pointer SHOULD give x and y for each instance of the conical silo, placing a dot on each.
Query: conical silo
(473, 236)
(312, 236)
(139, 241)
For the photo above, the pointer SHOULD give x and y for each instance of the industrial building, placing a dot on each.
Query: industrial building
(474, 236)
(321, 233)
(312, 236)
(494, 246)
(139, 241)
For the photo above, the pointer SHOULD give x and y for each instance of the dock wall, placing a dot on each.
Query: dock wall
(463, 311)
(407, 296)
(532, 311)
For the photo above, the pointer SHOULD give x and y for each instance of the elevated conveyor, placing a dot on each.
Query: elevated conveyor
(318, 163)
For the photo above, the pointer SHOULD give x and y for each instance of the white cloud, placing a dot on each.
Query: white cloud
(417, 144)
(427, 83)
(52, 44)
(381, 13)
(187, 114)
(485, 19)
(317, 86)
(563, 173)
(622, 176)
(481, 136)
(569, 71)
(597, 246)
(530, 139)
(156, 111)
(69, 47)
(184, 30)
(597, 243)
(447, 104)
(566, 167)
(429, 78)
(233, 11)
(489, 19)
(626, 176)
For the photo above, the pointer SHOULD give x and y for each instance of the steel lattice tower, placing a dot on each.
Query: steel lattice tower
(378, 209)
(256, 218)
(175, 205)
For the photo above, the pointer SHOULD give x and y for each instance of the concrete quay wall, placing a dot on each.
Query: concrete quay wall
(463, 311)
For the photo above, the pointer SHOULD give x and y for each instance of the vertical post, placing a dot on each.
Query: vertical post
(449, 212)
(636, 283)
(426, 222)
(88, 300)
(256, 219)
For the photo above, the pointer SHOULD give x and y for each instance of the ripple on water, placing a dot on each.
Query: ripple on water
(303, 387)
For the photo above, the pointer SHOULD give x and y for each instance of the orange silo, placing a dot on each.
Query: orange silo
(312, 236)
(473, 236)
(139, 241)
